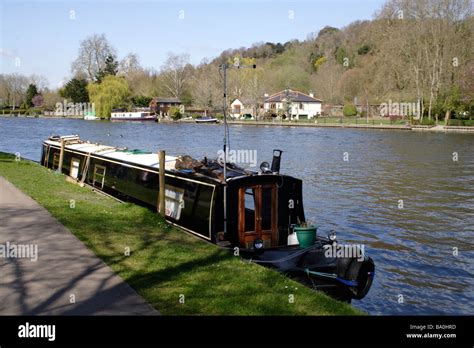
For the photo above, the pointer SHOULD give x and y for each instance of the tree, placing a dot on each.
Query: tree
(175, 73)
(110, 68)
(30, 93)
(37, 100)
(50, 99)
(130, 65)
(75, 90)
(111, 93)
(93, 53)
(14, 88)
(431, 35)
(141, 101)
(349, 110)
(206, 85)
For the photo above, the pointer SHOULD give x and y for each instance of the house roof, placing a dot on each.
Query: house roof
(294, 96)
(166, 100)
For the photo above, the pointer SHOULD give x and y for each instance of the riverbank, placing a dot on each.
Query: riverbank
(438, 128)
(385, 125)
(175, 272)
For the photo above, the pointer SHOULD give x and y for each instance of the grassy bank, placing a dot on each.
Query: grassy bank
(166, 262)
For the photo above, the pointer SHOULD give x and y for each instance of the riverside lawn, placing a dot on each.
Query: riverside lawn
(175, 272)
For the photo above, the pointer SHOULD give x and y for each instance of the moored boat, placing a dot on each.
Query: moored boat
(264, 209)
(90, 116)
(132, 116)
(206, 119)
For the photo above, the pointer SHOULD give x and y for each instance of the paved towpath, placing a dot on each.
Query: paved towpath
(65, 269)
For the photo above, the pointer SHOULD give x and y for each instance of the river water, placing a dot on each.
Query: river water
(402, 194)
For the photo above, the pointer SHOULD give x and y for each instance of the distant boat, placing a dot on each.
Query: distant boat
(90, 116)
(207, 119)
(132, 116)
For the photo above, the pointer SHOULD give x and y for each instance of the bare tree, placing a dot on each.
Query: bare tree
(93, 52)
(13, 88)
(205, 84)
(175, 73)
(130, 65)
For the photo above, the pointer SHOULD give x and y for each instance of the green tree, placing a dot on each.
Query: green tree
(30, 93)
(141, 101)
(112, 92)
(341, 55)
(110, 68)
(349, 110)
(75, 90)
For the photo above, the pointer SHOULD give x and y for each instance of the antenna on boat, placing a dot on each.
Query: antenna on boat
(224, 68)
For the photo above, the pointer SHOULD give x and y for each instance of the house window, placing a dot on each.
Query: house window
(301, 106)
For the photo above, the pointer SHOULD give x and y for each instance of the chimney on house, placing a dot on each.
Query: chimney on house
(311, 94)
(265, 95)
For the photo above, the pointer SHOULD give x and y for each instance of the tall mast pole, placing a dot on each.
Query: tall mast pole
(224, 67)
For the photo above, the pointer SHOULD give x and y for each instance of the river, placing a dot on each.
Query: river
(408, 197)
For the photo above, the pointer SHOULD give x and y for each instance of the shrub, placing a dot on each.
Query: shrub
(349, 110)
(175, 113)
(363, 50)
(427, 122)
(35, 111)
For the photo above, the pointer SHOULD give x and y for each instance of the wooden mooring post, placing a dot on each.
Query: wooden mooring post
(161, 193)
(61, 156)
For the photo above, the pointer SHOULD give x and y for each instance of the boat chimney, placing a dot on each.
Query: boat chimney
(276, 161)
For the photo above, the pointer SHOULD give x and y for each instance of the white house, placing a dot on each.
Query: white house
(295, 104)
(236, 108)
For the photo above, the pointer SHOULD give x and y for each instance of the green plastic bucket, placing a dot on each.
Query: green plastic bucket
(306, 235)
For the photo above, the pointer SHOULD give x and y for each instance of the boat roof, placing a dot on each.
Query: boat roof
(139, 157)
(211, 169)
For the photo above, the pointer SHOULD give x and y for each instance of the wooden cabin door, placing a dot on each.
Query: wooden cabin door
(258, 215)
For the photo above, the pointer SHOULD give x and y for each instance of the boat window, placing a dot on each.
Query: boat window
(249, 209)
(99, 176)
(74, 170)
(266, 209)
(56, 160)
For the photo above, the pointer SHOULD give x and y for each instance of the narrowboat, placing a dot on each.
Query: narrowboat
(264, 208)
(132, 116)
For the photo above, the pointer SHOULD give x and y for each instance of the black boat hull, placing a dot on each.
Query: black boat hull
(344, 278)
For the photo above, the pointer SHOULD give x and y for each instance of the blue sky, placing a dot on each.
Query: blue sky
(46, 39)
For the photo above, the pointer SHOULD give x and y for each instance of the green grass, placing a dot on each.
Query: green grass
(165, 261)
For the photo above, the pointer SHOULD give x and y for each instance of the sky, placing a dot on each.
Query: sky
(43, 37)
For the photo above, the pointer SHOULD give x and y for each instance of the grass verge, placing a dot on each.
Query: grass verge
(166, 262)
